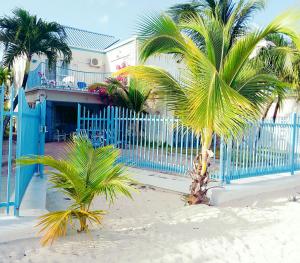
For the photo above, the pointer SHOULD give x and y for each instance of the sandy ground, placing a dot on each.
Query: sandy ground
(158, 227)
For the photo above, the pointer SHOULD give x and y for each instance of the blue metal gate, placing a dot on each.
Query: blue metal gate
(25, 135)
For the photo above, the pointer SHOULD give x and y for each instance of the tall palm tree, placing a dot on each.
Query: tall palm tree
(82, 174)
(222, 10)
(221, 90)
(281, 58)
(23, 34)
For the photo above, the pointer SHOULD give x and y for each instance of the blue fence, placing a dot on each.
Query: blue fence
(63, 78)
(265, 148)
(25, 136)
(163, 144)
(146, 140)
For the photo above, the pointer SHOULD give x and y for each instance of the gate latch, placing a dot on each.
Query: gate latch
(43, 129)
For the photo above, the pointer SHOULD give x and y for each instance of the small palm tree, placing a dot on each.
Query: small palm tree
(83, 174)
(221, 90)
(129, 94)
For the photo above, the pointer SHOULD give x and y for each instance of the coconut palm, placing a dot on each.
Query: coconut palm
(222, 10)
(25, 35)
(281, 58)
(221, 90)
(82, 174)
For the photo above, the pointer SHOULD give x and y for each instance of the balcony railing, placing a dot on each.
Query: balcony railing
(63, 78)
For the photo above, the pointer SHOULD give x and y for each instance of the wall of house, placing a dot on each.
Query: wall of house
(122, 53)
(81, 61)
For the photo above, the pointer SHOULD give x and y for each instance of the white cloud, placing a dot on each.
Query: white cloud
(104, 19)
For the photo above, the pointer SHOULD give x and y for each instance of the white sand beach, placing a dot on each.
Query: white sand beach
(158, 227)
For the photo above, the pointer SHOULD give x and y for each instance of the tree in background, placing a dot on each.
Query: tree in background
(221, 90)
(25, 35)
(125, 93)
(280, 57)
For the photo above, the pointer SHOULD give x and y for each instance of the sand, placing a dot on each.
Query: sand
(158, 227)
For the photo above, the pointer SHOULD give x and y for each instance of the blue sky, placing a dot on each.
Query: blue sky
(115, 17)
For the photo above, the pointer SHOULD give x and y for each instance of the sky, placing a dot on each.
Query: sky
(116, 17)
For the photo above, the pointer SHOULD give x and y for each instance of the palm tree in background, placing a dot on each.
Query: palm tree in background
(221, 90)
(6, 76)
(126, 93)
(25, 35)
(281, 58)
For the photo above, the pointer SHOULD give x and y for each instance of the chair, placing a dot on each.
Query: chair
(81, 85)
(68, 81)
(60, 136)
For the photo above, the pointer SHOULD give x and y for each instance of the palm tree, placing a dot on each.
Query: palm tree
(221, 90)
(222, 10)
(25, 35)
(5, 76)
(280, 58)
(129, 94)
(82, 174)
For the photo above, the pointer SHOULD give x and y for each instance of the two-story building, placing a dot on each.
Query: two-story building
(95, 57)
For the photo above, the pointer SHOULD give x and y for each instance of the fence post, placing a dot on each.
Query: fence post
(109, 128)
(78, 118)
(18, 183)
(228, 160)
(222, 158)
(293, 142)
(43, 131)
(1, 127)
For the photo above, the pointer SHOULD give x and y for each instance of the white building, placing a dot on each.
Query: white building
(95, 57)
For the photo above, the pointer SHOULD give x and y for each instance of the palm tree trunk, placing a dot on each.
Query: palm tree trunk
(200, 174)
(276, 110)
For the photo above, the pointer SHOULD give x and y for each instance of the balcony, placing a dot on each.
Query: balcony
(62, 78)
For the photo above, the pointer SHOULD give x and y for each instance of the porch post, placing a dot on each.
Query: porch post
(78, 118)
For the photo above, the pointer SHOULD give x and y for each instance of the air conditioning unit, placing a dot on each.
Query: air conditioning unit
(94, 62)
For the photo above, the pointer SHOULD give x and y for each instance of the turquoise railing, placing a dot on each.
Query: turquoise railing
(164, 144)
(267, 147)
(63, 78)
(146, 140)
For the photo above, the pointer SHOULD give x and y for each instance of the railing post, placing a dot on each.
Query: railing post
(293, 142)
(78, 118)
